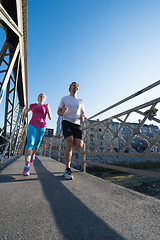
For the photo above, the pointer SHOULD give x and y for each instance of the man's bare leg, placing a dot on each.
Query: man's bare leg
(71, 143)
(68, 151)
(78, 143)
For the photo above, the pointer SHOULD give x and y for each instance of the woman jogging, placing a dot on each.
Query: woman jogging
(36, 130)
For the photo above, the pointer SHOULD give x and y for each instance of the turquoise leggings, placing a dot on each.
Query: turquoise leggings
(34, 137)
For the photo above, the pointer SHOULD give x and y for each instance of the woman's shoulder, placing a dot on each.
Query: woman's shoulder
(32, 105)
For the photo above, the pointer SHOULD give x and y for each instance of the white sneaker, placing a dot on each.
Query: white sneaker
(68, 174)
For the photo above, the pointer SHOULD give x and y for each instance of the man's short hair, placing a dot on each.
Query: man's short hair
(72, 84)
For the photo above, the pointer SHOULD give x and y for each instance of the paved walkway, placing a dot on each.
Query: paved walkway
(45, 206)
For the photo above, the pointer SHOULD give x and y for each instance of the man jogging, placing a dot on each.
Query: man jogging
(72, 109)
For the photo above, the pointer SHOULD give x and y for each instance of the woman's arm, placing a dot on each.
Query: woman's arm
(49, 111)
(28, 111)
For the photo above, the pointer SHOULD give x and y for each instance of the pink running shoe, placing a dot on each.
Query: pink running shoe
(26, 171)
(32, 158)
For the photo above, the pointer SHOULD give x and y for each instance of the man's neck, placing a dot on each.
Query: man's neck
(73, 94)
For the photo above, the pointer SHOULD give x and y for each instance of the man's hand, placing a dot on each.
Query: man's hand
(64, 110)
(82, 116)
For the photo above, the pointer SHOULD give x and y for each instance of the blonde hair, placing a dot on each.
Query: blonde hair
(42, 94)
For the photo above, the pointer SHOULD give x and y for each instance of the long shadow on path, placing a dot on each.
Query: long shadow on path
(73, 218)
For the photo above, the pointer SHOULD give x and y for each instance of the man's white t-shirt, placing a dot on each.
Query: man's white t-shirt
(75, 105)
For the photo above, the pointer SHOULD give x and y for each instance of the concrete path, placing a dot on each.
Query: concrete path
(45, 206)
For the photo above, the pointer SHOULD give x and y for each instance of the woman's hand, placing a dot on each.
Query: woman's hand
(28, 111)
(48, 107)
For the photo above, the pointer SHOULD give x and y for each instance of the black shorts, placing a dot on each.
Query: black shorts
(71, 129)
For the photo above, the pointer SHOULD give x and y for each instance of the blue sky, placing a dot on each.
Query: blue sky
(110, 47)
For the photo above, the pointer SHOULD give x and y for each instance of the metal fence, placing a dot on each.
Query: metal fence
(114, 141)
(13, 145)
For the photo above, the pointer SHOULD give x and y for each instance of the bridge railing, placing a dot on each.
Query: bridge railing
(116, 140)
(13, 145)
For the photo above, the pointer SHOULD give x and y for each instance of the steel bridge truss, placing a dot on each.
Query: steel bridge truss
(13, 76)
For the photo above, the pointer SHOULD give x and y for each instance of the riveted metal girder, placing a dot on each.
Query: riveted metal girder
(13, 66)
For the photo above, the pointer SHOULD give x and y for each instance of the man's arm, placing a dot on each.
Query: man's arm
(82, 116)
(62, 111)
